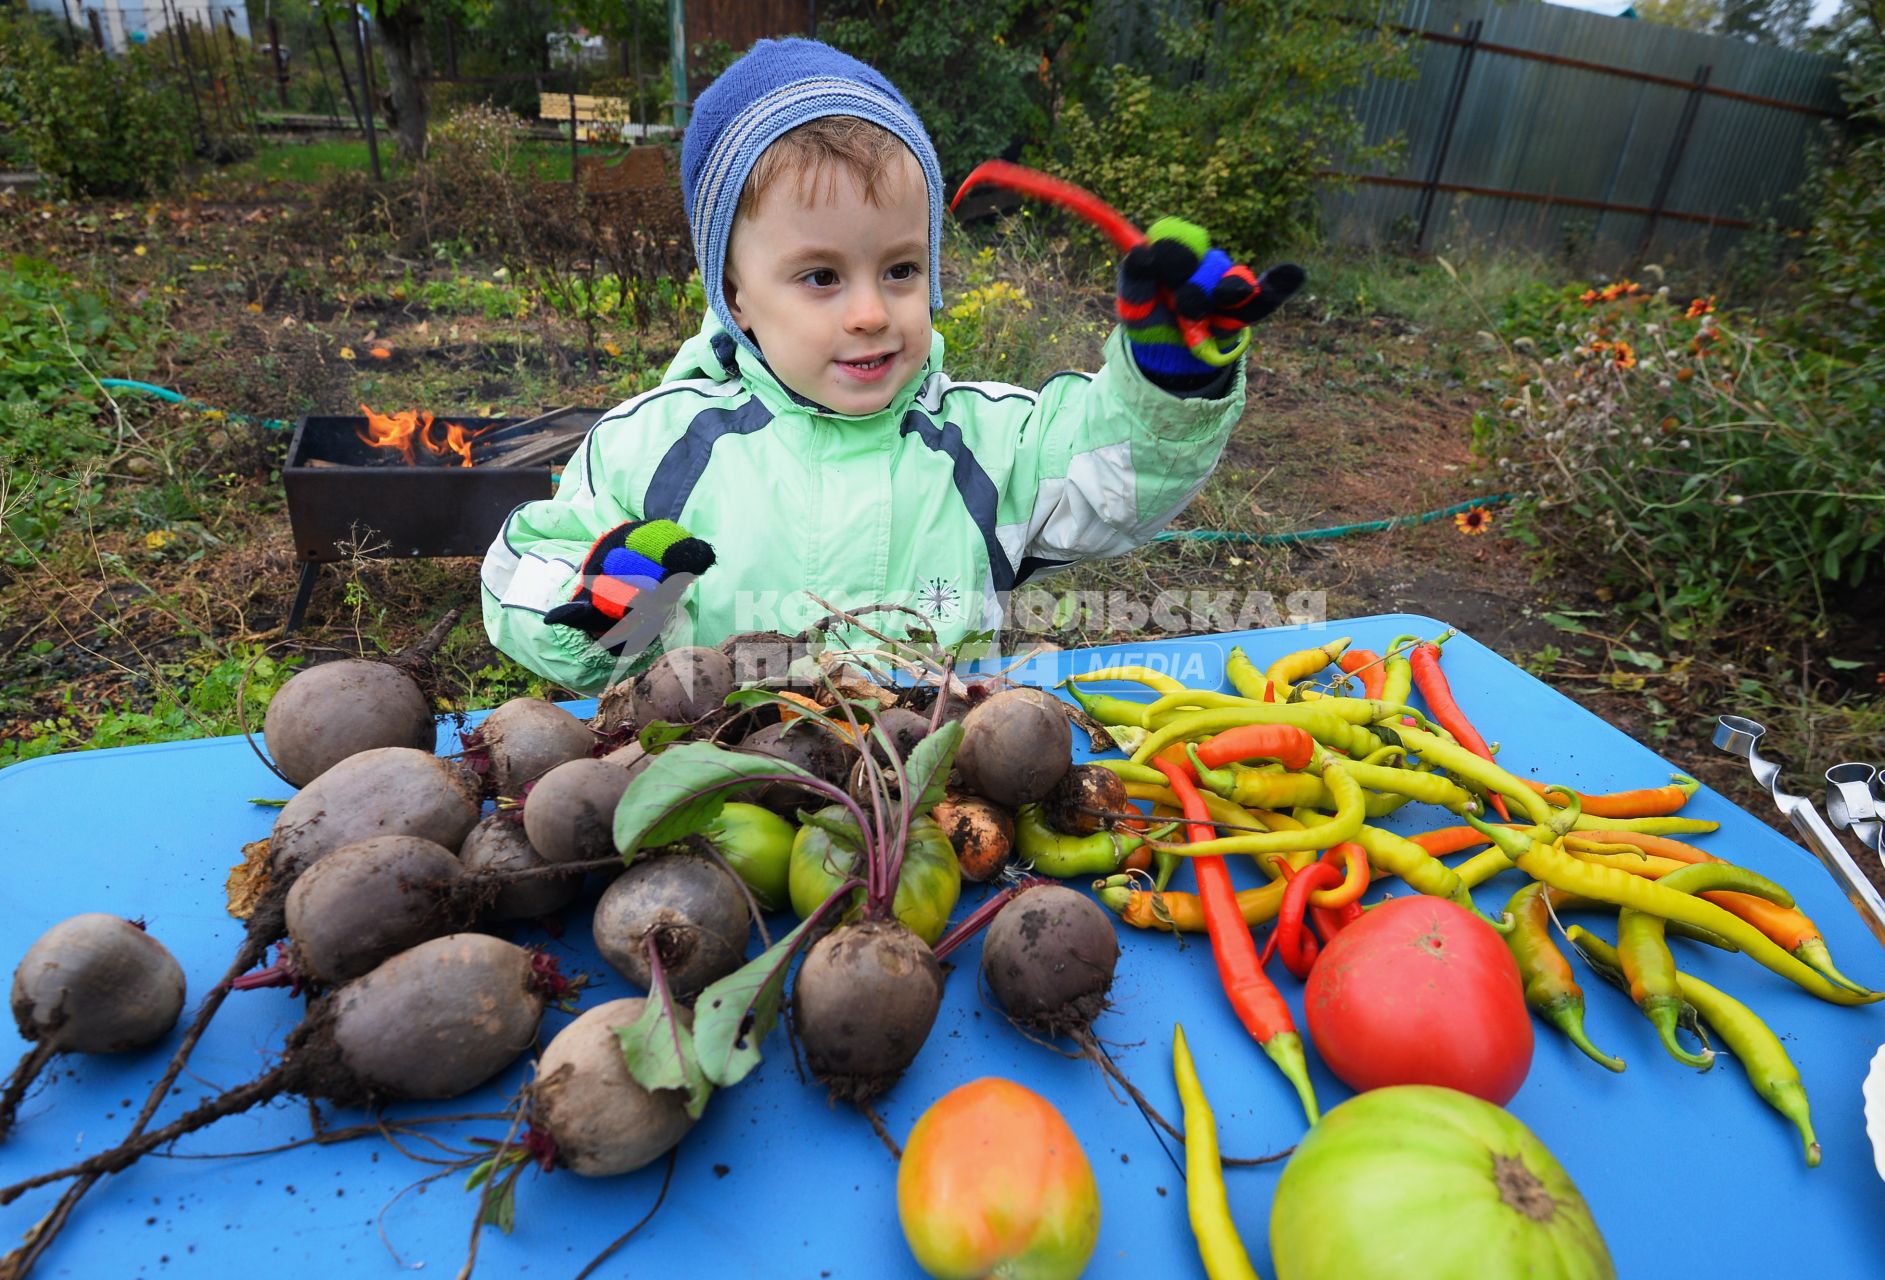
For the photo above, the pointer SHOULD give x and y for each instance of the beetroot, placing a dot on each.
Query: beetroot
(569, 814)
(324, 714)
(813, 748)
(390, 791)
(499, 844)
(432, 1022)
(521, 741)
(601, 1122)
(368, 901)
(688, 907)
(865, 999)
(95, 983)
(1016, 745)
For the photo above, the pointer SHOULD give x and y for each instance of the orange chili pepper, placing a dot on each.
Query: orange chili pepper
(1648, 802)
(1433, 686)
(1366, 664)
(1288, 743)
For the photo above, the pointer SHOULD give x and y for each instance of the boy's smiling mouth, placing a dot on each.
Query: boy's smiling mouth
(870, 368)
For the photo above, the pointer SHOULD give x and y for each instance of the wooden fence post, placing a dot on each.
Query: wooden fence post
(1454, 98)
(1684, 127)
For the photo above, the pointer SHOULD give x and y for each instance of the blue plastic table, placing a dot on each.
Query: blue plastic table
(1687, 1173)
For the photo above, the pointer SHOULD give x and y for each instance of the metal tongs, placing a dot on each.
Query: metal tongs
(1850, 800)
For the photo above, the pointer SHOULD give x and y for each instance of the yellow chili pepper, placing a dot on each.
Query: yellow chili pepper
(1303, 663)
(1146, 676)
(1396, 855)
(1219, 1246)
(1764, 1058)
(1547, 861)
(1461, 763)
(1349, 806)
(1244, 676)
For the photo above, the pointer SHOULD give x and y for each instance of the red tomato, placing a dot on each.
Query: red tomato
(1421, 991)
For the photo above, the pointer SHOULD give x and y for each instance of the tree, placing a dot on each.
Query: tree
(1781, 22)
(1689, 15)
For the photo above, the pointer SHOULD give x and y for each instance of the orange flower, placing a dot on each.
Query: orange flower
(1475, 520)
(1626, 358)
(1587, 297)
(1700, 307)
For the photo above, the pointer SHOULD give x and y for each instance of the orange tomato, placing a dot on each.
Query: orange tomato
(993, 1181)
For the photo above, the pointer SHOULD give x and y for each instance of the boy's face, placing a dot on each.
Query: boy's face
(835, 290)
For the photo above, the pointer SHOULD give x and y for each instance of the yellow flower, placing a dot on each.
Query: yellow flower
(158, 539)
(1475, 520)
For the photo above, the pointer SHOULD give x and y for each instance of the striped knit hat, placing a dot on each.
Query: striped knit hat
(773, 88)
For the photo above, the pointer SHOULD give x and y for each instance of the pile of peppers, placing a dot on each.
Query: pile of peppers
(1293, 769)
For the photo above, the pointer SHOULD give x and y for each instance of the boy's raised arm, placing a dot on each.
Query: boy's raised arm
(1101, 464)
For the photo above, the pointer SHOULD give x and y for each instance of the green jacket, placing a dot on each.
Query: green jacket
(944, 501)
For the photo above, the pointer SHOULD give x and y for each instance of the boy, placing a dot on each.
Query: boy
(807, 438)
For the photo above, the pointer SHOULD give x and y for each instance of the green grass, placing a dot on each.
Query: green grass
(309, 162)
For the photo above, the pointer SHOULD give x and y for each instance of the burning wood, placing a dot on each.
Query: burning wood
(411, 430)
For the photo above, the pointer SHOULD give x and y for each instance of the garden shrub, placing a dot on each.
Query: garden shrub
(93, 125)
(1241, 132)
(1702, 463)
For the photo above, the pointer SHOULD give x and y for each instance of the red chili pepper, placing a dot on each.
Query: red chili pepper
(1296, 945)
(1269, 691)
(1341, 906)
(1369, 667)
(1254, 998)
(1289, 743)
(1043, 186)
(1433, 686)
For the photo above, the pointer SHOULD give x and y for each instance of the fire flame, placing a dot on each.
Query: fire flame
(413, 429)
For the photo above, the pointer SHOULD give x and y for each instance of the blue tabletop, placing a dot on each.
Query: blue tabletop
(1686, 1173)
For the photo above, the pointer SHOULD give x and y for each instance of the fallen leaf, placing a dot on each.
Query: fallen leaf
(381, 353)
(140, 251)
(256, 307)
(346, 353)
(158, 539)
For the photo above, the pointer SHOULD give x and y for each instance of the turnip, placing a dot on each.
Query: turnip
(599, 1119)
(521, 741)
(1016, 745)
(367, 902)
(95, 983)
(389, 791)
(569, 813)
(499, 844)
(324, 714)
(432, 1022)
(689, 908)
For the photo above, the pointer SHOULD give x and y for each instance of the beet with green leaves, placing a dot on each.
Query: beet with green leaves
(689, 907)
(600, 1122)
(522, 740)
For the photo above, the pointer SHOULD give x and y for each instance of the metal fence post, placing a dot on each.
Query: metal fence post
(1454, 98)
(281, 63)
(366, 93)
(1684, 127)
(333, 43)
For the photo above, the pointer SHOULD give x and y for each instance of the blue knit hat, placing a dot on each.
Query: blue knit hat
(774, 87)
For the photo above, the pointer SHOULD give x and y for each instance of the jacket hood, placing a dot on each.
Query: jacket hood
(713, 353)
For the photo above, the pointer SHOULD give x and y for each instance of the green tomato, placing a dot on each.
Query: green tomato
(1417, 1180)
(927, 889)
(757, 844)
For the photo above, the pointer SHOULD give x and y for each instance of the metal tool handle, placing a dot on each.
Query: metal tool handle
(1740, 736)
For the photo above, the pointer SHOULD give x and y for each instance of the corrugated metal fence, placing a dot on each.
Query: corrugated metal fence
(1542, 126)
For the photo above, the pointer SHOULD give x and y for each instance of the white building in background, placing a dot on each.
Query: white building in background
(122, 23)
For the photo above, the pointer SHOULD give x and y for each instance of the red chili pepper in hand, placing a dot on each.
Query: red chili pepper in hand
(1043, 186)
(1254, 998)
(1433, 686)
(1369, 667)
